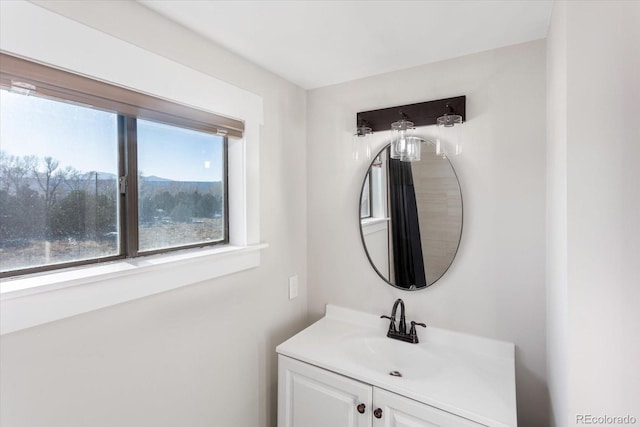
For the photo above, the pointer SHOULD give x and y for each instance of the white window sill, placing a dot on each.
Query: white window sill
(36, 299)
(373, 225)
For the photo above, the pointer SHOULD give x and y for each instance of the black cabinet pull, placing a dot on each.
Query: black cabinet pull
(377, 413)
(361, 408)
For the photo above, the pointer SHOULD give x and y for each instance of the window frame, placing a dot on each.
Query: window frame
(129, 106)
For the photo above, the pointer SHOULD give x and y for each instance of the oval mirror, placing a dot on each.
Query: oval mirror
(411, 217)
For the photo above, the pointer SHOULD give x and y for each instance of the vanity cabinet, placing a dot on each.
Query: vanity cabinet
(343, 371)
(309, 396)
(312, 397)
(399, 411)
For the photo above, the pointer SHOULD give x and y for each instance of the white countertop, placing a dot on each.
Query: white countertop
(466, 375)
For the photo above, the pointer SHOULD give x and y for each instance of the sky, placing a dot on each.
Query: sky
(177, 153)
(86, 139)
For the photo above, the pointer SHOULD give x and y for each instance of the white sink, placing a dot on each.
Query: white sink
(392, 357)
(466, 375)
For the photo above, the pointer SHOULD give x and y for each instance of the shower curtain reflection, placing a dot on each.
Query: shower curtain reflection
(408, 262)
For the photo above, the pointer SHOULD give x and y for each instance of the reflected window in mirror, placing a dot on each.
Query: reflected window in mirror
(374, 193)
(365, 200)
(378, 179)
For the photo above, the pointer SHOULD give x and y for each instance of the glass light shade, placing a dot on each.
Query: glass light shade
(414, 148)
(401, 132)
(448, 141)
(361, 147)
(355, 148)
(440, 147)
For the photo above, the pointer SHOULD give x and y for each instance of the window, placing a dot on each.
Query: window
(378, 185)
(181, 187)
(58, 173)
(373, 195)
(365, 199)
(92, 172)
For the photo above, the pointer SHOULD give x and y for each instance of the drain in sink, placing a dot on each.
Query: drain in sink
(395, 374)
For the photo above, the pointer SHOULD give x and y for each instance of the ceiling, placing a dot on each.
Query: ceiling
(319, 43)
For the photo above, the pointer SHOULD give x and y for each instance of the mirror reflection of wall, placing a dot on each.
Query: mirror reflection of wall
(440, 210)
(414, 222)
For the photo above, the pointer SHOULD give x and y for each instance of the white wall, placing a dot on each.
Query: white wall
(600, 80)
(557, 304)
(200, 355)
(496, 285)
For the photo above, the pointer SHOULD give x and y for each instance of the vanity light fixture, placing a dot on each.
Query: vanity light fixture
(402, 138)
(450, 118)
(448, 139)
(363, 129)
(403, 119)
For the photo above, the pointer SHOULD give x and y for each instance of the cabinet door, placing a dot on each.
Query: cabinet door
(398, 411)
(313, 397)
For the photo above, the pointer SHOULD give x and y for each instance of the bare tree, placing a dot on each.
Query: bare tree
(49, 179)
(76, 180)
(14, 170)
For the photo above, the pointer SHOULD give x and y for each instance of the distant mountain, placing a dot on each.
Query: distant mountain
(154, 178)
(101, 175)
(148, 179)
(108, 182)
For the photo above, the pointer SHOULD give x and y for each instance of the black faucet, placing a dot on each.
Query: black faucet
(401, 333)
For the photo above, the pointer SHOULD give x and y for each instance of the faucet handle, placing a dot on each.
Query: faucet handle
(392, 325)
(412, 332)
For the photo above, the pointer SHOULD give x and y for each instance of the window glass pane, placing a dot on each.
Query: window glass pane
(365, 200)
(58, 182)
(378, 188)
(181, 196)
